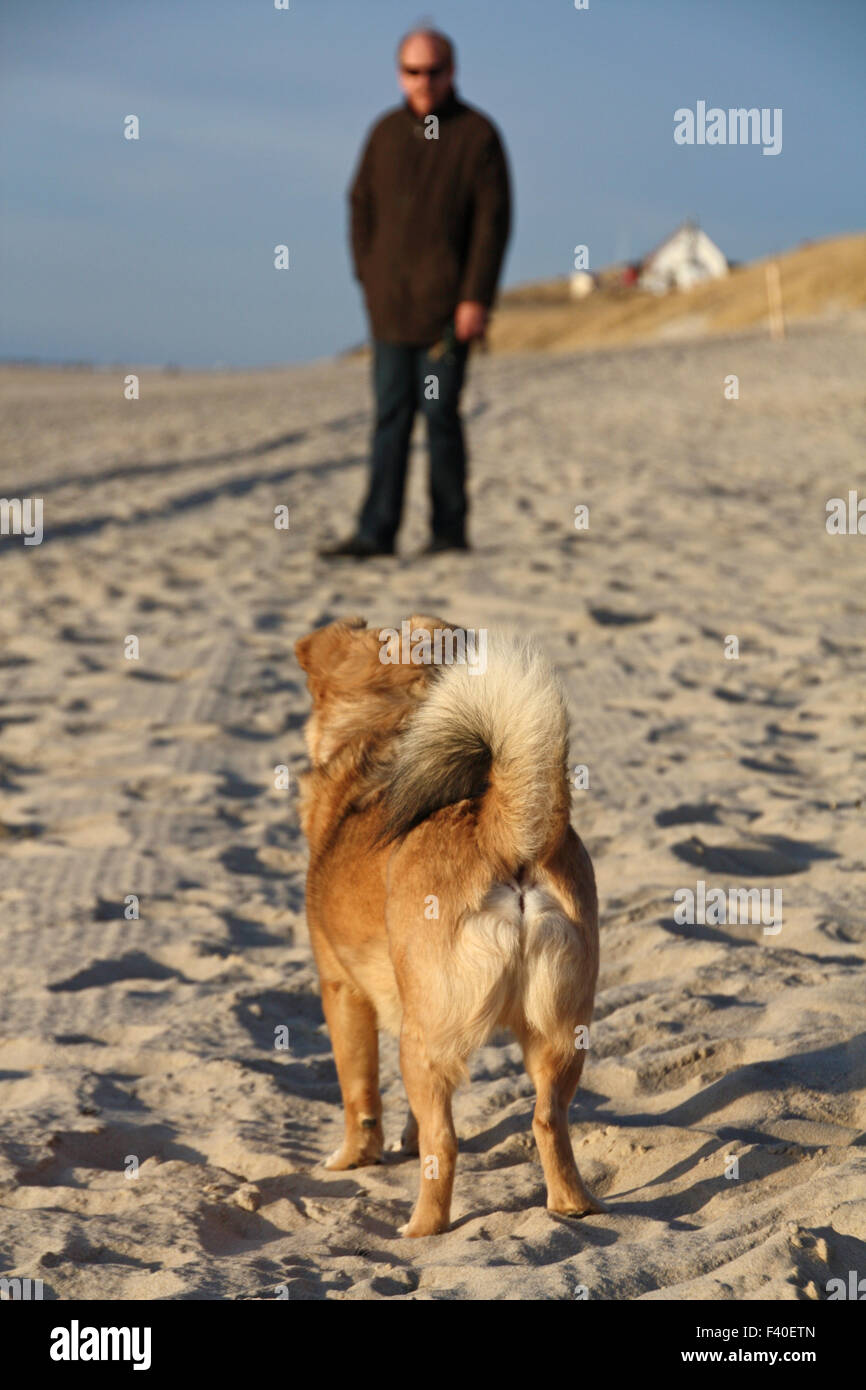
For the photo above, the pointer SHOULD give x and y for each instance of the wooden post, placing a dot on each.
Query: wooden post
(774, 301)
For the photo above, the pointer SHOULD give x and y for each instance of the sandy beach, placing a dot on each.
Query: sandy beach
(155, 1142)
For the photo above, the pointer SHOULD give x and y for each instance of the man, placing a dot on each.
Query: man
(430, 216)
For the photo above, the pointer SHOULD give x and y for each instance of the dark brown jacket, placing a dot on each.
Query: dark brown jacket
(430, 219)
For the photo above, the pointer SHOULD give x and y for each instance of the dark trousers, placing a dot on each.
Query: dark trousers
(402, 384)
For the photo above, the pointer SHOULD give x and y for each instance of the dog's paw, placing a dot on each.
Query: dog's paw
(407, 1144)
(416, 1230)
(337, 1161)
(341, 1160)
(409, 1231)
(407, 1147)
(594, 1207)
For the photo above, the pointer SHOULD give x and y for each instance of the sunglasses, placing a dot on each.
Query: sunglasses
(425, 72)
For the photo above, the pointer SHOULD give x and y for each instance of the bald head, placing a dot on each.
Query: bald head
(444, 46)
(425, 59)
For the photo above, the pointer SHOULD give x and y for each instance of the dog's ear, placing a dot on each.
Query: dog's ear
(430, 625)
(316, 651)
(425, 623)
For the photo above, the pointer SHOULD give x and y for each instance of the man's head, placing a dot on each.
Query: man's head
(425, 60)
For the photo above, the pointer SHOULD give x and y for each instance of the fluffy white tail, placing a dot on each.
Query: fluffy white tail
(500, 735)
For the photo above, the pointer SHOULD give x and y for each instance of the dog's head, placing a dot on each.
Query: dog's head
(361, 678)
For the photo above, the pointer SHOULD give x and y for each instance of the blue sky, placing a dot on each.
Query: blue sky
(161, 250)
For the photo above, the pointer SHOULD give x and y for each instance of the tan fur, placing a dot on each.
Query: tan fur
(447, 894)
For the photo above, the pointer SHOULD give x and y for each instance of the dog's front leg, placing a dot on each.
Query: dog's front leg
(409, 1138)
(353, 1027)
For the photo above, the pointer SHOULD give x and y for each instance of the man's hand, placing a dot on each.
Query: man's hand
(470, 320)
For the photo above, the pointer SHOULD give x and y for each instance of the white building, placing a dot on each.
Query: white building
(685, 258)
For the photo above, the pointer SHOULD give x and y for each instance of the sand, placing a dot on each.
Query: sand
(150, 1041)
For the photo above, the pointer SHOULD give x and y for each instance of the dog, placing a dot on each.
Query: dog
(447, 893)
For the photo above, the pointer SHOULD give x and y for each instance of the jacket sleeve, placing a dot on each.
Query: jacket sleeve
(491, 223)
(361, 210)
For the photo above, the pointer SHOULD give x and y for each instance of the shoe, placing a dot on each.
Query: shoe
(355, 548)
(442, 543)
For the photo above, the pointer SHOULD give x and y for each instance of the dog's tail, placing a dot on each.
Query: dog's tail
(495, 730)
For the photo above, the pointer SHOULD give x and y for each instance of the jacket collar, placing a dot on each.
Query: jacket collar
(447, 107)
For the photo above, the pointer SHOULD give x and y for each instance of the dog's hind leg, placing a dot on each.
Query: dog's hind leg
(353, 1026)
(555, 1083)
(429, 1090)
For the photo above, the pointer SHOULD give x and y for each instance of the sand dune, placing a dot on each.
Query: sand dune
(820, 279)
(153, 1038)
